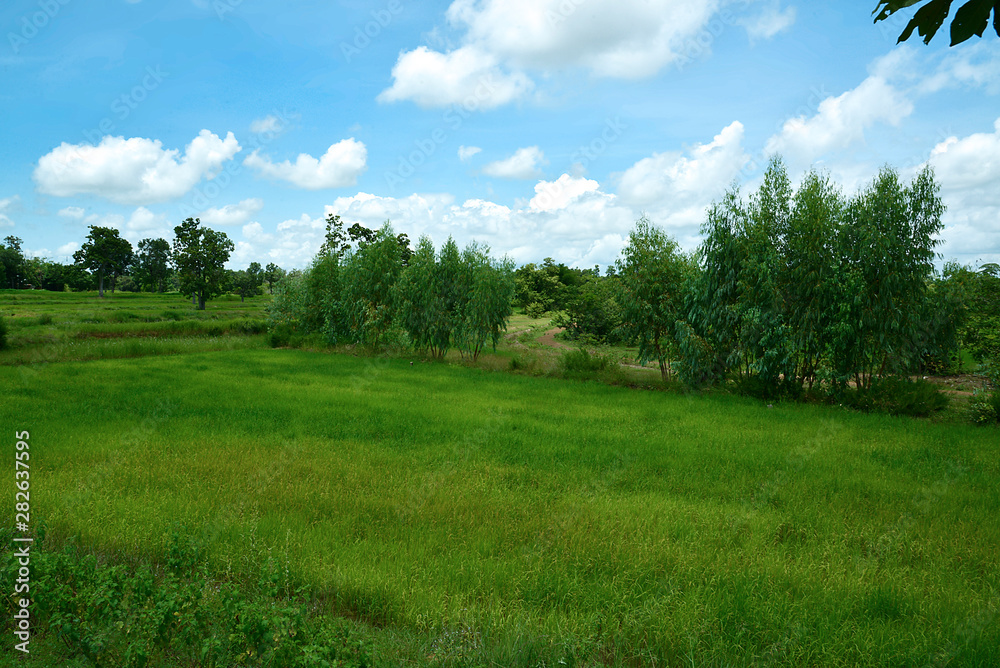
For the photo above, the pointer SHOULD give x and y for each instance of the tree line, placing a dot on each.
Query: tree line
(381, 292)
(788, 289)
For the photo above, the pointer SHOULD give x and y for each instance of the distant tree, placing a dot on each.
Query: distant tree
(12, 264)
(152, 264)
(272, 274)
(361, 236)
(104, 253)
(248, 281)
(418, 299)
(972, 18)
(200, 255)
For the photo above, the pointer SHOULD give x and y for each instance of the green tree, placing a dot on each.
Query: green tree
(486, 301)
(248, 281)
(12, 265)
(370, 276)
(972, 18)
(272, 274)
(335, 241)
(651, 274)
(808, 275)
(419, 302)
(152, 264)
(104, 253)
(200, 255)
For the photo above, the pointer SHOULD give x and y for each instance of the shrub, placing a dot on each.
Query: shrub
(3, 334)
(581, 361)
(45, 319)
(984, 408)
(535, 310)
(897, 396)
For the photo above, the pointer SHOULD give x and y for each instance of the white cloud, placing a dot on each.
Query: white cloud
(144, 220)
(467, 76)
(522, 165)
(840, 121)
(770, 21)
(466, 152)
(675, 188)
(968, 170)
(232, 214)
(132, 171)
(552, 195)
(340, 166)
(616, 38)
(67, 250)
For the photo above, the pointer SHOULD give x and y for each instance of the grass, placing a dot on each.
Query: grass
(466, 517)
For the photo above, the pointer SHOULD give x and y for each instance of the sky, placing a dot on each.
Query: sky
(542, 128)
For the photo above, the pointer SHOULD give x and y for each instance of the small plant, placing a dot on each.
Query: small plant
(535, 310)
(45, 319)
(897, 396)
(580, 360)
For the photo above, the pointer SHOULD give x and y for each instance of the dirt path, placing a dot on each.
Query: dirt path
(549, 338)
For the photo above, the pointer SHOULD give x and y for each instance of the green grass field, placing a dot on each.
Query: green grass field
(463, 515)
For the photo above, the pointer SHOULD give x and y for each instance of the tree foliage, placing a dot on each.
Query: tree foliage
(972, 18)
(152, 264)
(104, 253)
(200, 255)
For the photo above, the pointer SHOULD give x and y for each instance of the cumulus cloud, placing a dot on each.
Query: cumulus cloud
(524, 164)
(232, 214)
(467, 76)
(72, 212)
(968, 170)
(552, 195)
(466, 152)
(340, 166)
(677, 187)
(627, 39)
(841, 121)
(132, 171)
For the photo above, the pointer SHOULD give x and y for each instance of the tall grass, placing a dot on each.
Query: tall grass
(512, 520)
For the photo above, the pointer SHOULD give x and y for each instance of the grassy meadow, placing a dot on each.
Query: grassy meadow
(467, 516)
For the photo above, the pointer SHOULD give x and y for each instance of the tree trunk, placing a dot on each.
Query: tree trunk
(201, 301)
(100, 285)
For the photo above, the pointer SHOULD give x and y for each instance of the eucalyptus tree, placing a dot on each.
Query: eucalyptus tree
(370, 276)
(651, 274)
(487, 305)
(152, 264)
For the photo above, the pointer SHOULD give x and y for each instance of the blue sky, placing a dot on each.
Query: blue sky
(540, 127)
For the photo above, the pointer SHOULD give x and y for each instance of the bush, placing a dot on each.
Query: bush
(45, 319)
(984, 408)
(280, 336)
(3, 334)
(535, 310)
(581, 361)
(897, 396)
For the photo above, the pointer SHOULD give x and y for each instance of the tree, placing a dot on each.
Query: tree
(12, 268)
(335, 241)
(972, 18)
(152, 264)
(418, 299)
(370, 277)
(272, 274)
(104, 252)
(651, 274)
(200, 255)
(248, 281)
(486, 301)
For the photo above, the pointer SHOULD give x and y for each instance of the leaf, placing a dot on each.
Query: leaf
(971, 19)
(928, 19)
